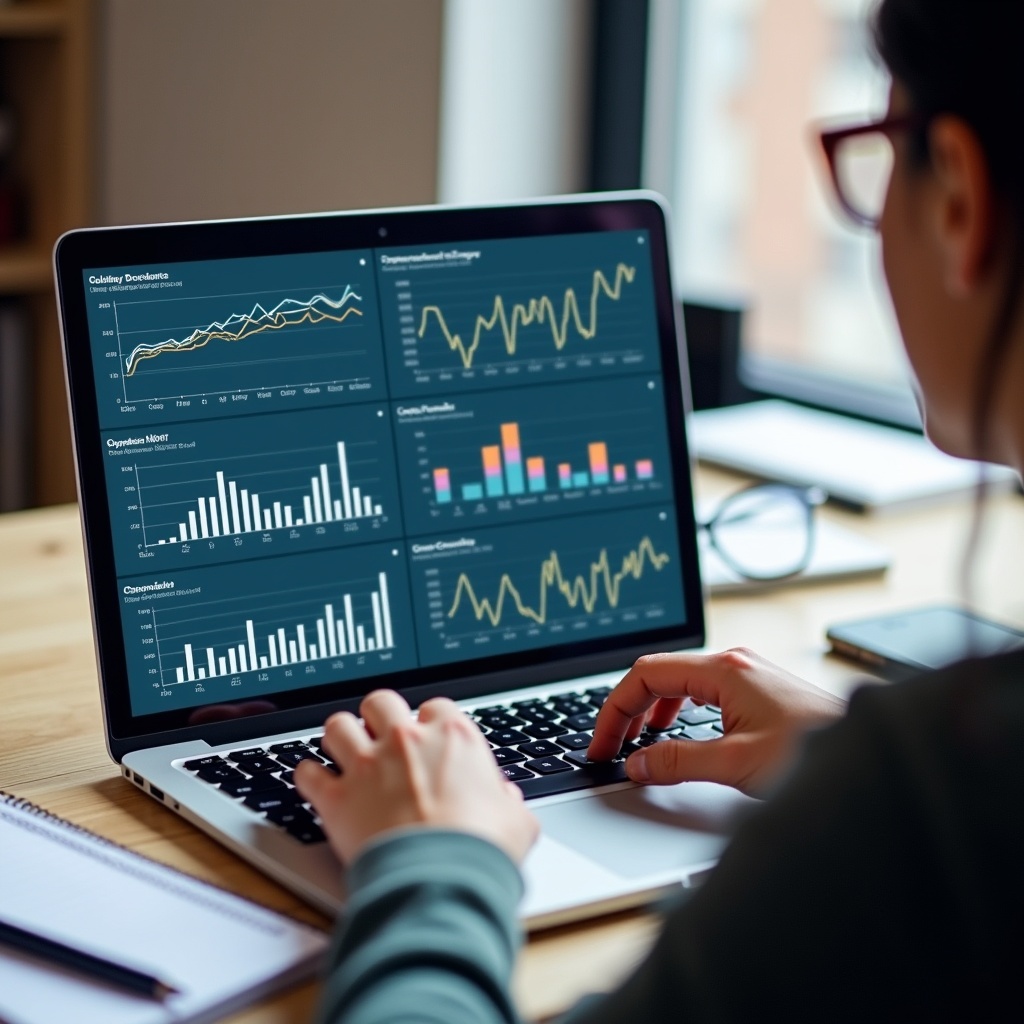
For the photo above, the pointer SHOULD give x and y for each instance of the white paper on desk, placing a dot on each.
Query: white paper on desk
(221, 951)
(864, 464)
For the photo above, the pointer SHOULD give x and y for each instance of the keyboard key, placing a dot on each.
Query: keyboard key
(698, 716)
(569, 705)
(258, 765)
(718, 727)
(284, 748)
(498, 720)
(217, 773)
(506, 755)
(599, 694)
(580, 722)
(578, 758)
(244, 755)
(544, 730)
(648, 739)
(275, 798)
(306, 832)
(576, 740)
(507, 737)
(588, 775)
(259, 784)
(289, 814)
(700, 732)
(517, 773)
(204, 762)
(548, 765)
(540, 748)
(538, 713)
(290, 758)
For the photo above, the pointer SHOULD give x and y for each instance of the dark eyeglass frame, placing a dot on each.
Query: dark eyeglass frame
(809, 497)
(832, 138)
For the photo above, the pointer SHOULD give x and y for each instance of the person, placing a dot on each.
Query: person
(883, 878)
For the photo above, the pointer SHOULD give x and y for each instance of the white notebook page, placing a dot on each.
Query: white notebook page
(58, 881)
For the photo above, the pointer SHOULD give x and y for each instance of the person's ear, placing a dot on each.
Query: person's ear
(965, 207)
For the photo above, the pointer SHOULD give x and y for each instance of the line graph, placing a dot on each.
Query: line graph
(238, 326)
(208, 338)
(577, 591)
(558, 308)
(539, 310)
(497, 590)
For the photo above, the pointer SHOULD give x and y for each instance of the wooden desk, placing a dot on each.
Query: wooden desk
(51, 739)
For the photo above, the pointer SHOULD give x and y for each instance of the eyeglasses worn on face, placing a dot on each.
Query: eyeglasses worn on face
(860, 160)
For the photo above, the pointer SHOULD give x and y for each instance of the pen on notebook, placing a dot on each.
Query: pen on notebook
(127, 978)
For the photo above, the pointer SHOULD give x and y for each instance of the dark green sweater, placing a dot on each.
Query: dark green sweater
(885, 880)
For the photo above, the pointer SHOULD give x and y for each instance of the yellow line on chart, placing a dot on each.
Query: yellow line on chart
(200, 339)
(576, 591)
(534, 311)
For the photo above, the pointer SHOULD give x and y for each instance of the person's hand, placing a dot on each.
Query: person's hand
(398, 771)
(765, 710)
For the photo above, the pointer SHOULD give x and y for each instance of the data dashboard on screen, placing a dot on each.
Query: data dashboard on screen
(325, 466)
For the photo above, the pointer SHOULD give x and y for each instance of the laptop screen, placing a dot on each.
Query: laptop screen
(437, 460)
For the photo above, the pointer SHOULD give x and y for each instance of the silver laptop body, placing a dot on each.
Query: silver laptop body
(437, 449)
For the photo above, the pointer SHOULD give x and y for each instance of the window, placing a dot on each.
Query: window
(753, 221)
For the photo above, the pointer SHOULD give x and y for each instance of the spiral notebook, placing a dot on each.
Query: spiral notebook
(57, 880)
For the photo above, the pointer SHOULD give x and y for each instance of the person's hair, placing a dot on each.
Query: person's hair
(963, 57)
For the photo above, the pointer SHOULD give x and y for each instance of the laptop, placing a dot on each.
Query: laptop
(440, 450)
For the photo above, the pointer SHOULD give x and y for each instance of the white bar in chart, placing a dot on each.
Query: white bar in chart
(235, 510)
(337, 636)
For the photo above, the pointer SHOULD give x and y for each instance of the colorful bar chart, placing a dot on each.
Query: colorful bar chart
(235, 510)
(334, 634)
(503, 465)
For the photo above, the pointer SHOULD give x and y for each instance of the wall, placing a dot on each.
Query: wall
(224, 108)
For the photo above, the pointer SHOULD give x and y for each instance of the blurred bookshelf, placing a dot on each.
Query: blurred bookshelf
(46, 107)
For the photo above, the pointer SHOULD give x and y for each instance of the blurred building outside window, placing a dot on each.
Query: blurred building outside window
(753, 222)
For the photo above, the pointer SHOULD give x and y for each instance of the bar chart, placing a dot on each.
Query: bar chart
(503, 471)
(515, 587)
(566, 448)
(318, 506)
(229, 632)
(238, 488)
(336, 635)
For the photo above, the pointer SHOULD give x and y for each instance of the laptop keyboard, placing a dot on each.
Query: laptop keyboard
(540, 744)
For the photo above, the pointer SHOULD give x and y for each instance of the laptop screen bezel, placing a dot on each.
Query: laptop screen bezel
(87, 249)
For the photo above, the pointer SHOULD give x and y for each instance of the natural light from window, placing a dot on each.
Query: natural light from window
(753, 219)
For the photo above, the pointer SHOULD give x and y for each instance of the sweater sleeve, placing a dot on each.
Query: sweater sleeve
(429, 933)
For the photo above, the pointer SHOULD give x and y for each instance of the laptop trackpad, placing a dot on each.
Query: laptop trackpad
(647, 830)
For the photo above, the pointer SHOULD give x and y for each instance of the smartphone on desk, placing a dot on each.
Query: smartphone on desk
(901, 644)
